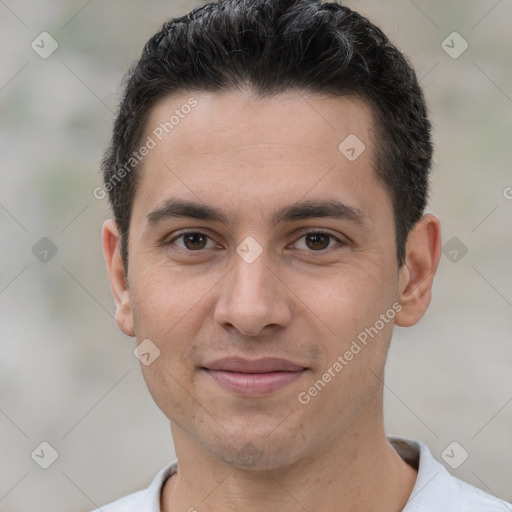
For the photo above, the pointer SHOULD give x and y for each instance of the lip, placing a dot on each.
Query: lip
(262, 365)
(253, 377)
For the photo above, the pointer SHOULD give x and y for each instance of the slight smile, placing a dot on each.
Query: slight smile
(253, 377)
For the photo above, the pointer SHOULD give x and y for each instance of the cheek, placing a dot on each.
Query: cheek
(161, 297)
(170, 308)
(347, 306)
(162, 302)
(168, 388)
(347, 297)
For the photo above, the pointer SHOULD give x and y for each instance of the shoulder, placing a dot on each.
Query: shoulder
(437, 489)
(129, 503)
(146, 500)
(454, 495)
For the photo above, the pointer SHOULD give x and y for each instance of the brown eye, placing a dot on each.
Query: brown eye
(317, 241)
(191, 241)
(194, 241)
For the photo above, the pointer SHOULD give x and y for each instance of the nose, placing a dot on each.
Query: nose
(253, 298)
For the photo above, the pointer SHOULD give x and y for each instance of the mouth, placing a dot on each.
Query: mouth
(253, 377)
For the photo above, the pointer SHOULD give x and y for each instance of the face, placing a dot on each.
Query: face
(262, 268)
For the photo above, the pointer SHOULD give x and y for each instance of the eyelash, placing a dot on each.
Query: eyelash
(303, 234)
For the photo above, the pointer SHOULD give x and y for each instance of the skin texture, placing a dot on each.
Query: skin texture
(297, 301)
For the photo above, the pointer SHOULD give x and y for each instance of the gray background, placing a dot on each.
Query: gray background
(68, 377)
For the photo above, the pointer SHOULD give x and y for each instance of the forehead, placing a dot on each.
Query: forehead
(210, 122)
(216, 147)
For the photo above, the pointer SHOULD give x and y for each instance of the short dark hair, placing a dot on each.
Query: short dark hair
(277, 46)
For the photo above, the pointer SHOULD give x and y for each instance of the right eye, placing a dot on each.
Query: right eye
(192, 241)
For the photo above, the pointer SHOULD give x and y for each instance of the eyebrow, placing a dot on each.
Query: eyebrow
(331, 208)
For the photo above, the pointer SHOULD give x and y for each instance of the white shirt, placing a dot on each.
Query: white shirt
(435, 489)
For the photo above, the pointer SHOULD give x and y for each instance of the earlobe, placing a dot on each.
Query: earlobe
(423, 252)
(118, 284)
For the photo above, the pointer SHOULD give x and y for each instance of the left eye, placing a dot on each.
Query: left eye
(317, 240)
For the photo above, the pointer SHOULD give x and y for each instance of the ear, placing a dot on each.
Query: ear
(423, 251)
(118, 283)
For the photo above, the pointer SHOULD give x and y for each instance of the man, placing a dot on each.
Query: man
(268, 174)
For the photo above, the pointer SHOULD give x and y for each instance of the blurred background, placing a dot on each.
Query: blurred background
(68, 377)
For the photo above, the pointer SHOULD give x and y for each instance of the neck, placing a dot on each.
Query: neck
(360, 471)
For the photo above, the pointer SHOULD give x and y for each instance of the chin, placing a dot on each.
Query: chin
(257, 454)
